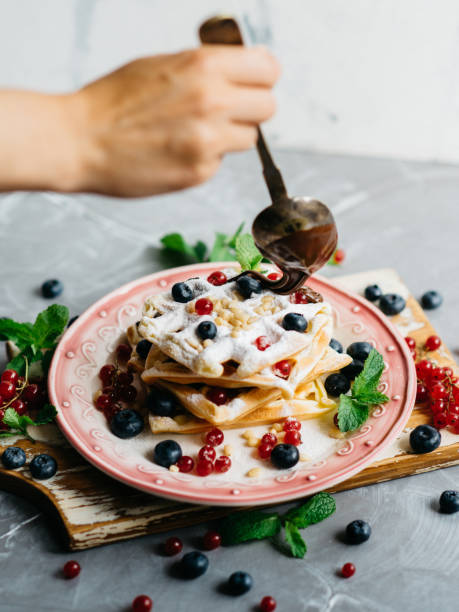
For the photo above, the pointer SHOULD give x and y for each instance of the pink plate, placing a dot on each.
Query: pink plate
(89, 342)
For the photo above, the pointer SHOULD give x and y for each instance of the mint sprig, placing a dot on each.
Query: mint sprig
(257, 525)
(247, 253)
(19, 423)
(354, 409)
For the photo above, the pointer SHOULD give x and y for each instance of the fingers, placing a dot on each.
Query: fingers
(250, 104)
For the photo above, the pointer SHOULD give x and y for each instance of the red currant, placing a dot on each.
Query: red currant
(339, 256)
(453, 420)
(10, 376)
(438, 391)
(455, 392)
(348, 570)
(185, 464)
(30, 394)
(128, 394)
(112, 392)
(335, 420)
(7, 389)
(217, 395)
(454, 380)
(436, 375)
(274, 276)
(204, 467)
(262, 343)
(142, 603)
(222, 464)
(217, 278)
(214, 437)
(453, 408)
(440, 420)
(173, 546)
(19, 406)
(432, 343)
(269, 438)
(111, 410)
(421, 393)
(411, 342)
(203, 306)
(265, 450)
(423, 369)
(438, 405)
(292, 424)
(71, 569)
(103, 401)
(123, 352)
(124, 379)
(212, 540)
(106, 374)
(282, 368)
(300, 297)
(447, 372)
(207, 452)
(268, 604)
(292, 437)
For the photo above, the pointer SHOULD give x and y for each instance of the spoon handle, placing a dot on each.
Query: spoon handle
(225, 31)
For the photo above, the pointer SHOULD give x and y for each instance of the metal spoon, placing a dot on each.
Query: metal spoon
(297, 234)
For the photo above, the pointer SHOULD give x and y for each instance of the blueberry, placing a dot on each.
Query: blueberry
(294, 322)
(284, 456)
(353, 369)
(181, 292)
(246, 285)
(358, 532)
(52, 288)
(161, 403)
(240, 583)
(424, 439)
(337, 383)
(373, 292)
(206, 329)
(431, 300)
(392, 303)
(359, 350)
(13, 457)
(449, 502)
(336, 345)
(126, 423)
(194, 564)
(143, 348)
(72, 320)
(167, 453)
(43, 466)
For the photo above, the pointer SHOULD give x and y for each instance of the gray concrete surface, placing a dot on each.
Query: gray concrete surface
(389, 213)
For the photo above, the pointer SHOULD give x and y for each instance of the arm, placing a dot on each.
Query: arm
(157, 124)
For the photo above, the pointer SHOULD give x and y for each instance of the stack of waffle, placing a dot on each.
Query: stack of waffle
(261, 386)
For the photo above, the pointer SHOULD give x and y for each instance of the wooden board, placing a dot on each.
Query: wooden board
(91, 509)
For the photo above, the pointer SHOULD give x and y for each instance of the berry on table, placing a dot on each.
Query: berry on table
(204, 467)
(392, 304)
(194, 564)
(19, 406)
(181, 292)
(353, 369)
(52, 288)
(185, 464)
(424, 439)
(359, 350)
(424, 369)
(348, 570)
(212, 540)
(431, 300)
(203, 306)
(292, 437)
(71, 569)
(217, 395)
(438, 406)
(438, 391)
(161, 403)
(422, 394)
(282, 368)
(294, 321)
(215, 437)
(357, 532)
(337, 383)
(449, 502)
(268, 604)
(13, 458)
(142, 603)
(173, 546)
(440, 420)
(262, 343)
(373, 293)
(246, 285)
(167, 453)
(106, 374)
(284, 456)
(10, 376)
(127, 424)
(43, 466)
(143, 348)
(7, 389)
(432, 343)
(240, 583)
(207, 452)
(336, 345)
(222, 464)
(206, 330)
(123, 352)
(217, 278)
(411, 342)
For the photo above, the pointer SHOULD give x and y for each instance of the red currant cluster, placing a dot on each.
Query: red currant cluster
(207, 461)
(117, 384)
(292, 436)
(16, 392)
(431, 344)
(438, 387)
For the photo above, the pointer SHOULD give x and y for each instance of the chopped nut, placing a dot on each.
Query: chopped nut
(207, 342)
(247, 434)
(336, 433)
(253, 442)
(225, 302)
(254, 472)
(225, 314)
(190, 307)
(252, 320)
(304, 457)
(235, 333)
(173, 468)
(278, 426)
(228, 450)
(97, 394)
(219, 321)
(273, 430)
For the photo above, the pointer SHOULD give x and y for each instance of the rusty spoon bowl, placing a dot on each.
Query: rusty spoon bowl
(298, 234)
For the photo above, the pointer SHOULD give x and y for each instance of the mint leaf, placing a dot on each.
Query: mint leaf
(176, 242)
(247, 526)
(49, 325)
(19, 333)
(295, 541)
(234, 237)
(368, 379)
(315, 510)
(12, 418)
(351, 413)
(247, 253)
(200, 250)
(372, 397)
(45, 415)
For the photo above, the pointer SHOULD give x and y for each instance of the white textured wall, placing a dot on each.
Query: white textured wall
(376, 77)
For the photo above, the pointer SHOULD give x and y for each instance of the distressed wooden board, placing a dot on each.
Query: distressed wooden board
(91, 509)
